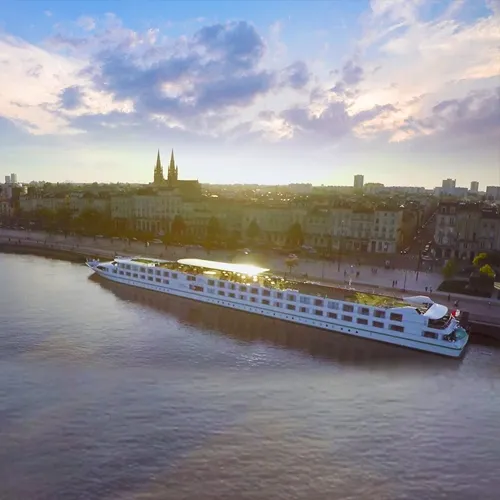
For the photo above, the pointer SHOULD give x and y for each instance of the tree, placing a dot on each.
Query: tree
(487, 270)
(253, 230)
(178, 227)
(450, 269)
(213, 230)
(295, 235)
(291, 261)
(480, 259)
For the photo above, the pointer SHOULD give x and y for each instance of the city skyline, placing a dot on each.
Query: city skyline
(403, 92)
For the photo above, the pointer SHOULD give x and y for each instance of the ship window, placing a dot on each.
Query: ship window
(290, 307)
(127, 266)
(365, 311)
(318, 302)
(346, 318)
(174, 276)
(232, 286)
(135, 275)
(291, 298)
(128, 273)
(378, 313)
(279, 295)
(243, 297)
(165, 273)
(303, 309)
(143, 269)
(255, 291)
(158, 280)
(221, 284)
(243, 288)
(277, 304)
(396, 317)
(115, 271)
(361, 321)
(253, 299)
(430, 335)
(196, 288)
(232, 295)
(150, 278)
(150, 271)
(266, 293)
(158, 272)
(378, 324)
(143, 276)
(305, 300)
(265, 302)
(396, 328)
(121, 272)
(211, 282)
(332, 315)
(348, 308)
(333, 305)
(318, 312)
(166, 282)
(221, 292)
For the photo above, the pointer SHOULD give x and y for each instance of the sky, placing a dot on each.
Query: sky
(405, 92)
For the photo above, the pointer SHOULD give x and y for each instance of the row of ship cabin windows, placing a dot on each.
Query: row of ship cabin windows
(290, 307)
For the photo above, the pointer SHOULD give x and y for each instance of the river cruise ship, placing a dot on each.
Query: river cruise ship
(414, 322)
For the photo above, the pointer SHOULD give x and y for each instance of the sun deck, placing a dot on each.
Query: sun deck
(246, 269)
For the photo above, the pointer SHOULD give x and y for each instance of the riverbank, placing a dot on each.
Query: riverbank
(484, 318)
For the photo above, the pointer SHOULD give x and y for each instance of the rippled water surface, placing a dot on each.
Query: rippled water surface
(112, 393)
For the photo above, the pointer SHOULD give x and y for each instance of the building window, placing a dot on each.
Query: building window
(378, 324)
(396, 328)
(346, 318)
(290, 307)
(379, 314)
(361, 321)
(332, 315)
(396, 317)
(430, 335)
(364, 311)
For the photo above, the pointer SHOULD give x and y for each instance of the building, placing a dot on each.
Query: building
(465, 229)
(474, 187)
(359, 180)
(7, 179)
(449, 184)
(189, 188)
(493, 193)
(13, 178)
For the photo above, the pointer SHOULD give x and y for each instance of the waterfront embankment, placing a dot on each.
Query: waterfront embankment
(484, 315)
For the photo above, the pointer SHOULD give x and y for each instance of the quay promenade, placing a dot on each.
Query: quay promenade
(393, 282)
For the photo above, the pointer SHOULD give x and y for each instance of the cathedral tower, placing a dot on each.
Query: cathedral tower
(173, 173)
(158, 175)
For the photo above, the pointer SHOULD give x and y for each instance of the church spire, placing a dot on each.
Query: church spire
(172, 170)
(158, 173)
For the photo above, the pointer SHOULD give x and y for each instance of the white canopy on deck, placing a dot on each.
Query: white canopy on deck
(248, 269)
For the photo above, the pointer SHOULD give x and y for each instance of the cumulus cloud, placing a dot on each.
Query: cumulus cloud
(410, 75)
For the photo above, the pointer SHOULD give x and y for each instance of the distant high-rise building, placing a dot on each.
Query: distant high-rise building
(474, 187)
(359, 180)
(7, 179)
(449, 184)
(13, 178)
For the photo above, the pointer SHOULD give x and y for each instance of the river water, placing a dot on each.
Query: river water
(112, 393)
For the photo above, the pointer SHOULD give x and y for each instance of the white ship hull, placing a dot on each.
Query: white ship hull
(449, 349)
